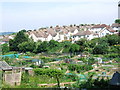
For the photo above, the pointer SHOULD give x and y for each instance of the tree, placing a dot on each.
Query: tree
(79, 68)
(100, 48)
(74, 48)
(27, 46)
(53, 46)
(57, 74)
(23, 30)
(92, 43)
(19, 38)
(113, 39)
(117, 21)
(66, 46)
(103, 40)
(43, 47)
(5, 48)
(82, 42)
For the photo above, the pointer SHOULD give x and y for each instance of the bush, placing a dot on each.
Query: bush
(34, 66)
(30, 54)
(49, 72)
(100, 49)
(112, 55)
(73, 76)
(79, 68)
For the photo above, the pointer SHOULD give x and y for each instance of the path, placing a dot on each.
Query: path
(53, 84)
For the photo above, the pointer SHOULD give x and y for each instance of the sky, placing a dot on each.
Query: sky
(34, 14)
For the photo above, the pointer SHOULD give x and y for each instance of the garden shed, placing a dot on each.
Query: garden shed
(10, 75)
(35, 61)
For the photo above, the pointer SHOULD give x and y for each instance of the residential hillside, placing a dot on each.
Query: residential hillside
(70, 33)
(73, 32)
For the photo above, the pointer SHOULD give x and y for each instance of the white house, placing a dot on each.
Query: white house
(48, 37)
(56, 37)
(83, 34)
(103, 32)
(98, 27)
(61, 37)
(37, 35)
(72, 30)
(115, 26)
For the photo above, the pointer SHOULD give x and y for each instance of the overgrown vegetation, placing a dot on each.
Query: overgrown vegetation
(107, 47)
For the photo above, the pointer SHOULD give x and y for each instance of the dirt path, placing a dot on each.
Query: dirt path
(53, 84)
(92, 70)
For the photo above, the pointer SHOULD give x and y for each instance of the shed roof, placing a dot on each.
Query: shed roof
(4, 65)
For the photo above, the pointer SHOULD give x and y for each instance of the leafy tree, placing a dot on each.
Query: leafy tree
(57, 74)
(53, 46)
(66, 46)
(19, 38)
(5, 48)
(100, 48)
(92, 43)
(113, 39)
(81, 24)
(91, 60)
(26, 46)
(117, 21)
(53, 43)
(12, 45)
(82, 42)
(102, 40)
(74, 48)
(23, 30)
(72, 67)
(43, 47)
(79, 68)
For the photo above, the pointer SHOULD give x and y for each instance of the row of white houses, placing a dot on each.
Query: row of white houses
(73, 33)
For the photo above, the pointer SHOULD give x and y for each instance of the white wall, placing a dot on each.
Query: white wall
(49, 38)
(56, 37)
(104, 33)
